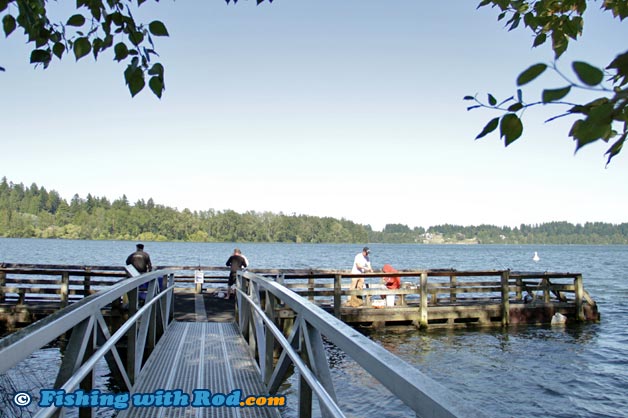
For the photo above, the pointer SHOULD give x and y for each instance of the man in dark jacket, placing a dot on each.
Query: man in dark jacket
(140, 260)
(236, 262)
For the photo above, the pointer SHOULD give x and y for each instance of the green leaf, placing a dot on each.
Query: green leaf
(76, 20)
(134, 77)
(531, 73)
(121, 51)
(539, 40)
(58, 49)
(555, 94)
(620, 64)
(82, 47)
(40, 56)
(157, 69)
(491, 100)
(97, 46)
(3, 5)
(510, 128)
(157, 28)
(9, 25)
(490, 127)
(136, 38)
(559, 43)
(156, 84)
(585, 131)
(615, 148)
(516, 107)
(588, 74)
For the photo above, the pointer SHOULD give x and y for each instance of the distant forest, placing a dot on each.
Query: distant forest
(34, 212)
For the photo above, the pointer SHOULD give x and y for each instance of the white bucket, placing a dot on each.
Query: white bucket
(390, 300)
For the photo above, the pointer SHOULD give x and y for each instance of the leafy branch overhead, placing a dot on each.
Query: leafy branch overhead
(604, 117)
(96, 27)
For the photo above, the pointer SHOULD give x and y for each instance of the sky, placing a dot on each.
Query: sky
(348, 109)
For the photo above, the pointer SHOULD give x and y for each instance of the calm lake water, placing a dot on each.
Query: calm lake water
(574, 371)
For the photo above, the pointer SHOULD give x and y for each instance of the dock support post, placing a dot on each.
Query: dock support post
(64, 290)
(87, 282)
(310, 288)
(453, 282)
(519, 294)
(3, 282)
(505, 298)
(579, 291)
(546, 289)
(423, 311)
(337, 298)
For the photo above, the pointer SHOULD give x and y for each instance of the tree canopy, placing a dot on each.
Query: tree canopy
(605, 116)
(34, 212)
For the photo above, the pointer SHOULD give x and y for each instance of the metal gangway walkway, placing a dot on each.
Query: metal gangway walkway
(167, 368)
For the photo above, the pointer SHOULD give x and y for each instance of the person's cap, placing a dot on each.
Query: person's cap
(366, 250)
(140, 246)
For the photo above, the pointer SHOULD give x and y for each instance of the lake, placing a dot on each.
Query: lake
(573, 371)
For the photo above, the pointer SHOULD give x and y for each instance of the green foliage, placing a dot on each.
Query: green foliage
(510, 128)
(34, 212)
(531, 73)
(605, 116)
(598, 233)
(109, 21)
(93, 29)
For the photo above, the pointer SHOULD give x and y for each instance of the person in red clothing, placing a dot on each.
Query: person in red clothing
(391, 282)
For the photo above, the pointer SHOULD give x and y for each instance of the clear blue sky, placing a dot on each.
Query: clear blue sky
(331, 108)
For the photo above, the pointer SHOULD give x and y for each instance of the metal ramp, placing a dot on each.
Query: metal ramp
(200, 356)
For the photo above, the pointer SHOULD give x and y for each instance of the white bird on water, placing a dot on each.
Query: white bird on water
(536, 257)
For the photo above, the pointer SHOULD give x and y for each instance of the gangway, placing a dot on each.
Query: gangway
(161, 356)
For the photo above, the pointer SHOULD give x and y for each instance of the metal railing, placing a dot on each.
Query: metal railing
(258, 300)
(91, 340)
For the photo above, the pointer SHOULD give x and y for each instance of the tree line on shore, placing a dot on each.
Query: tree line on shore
(34, 212)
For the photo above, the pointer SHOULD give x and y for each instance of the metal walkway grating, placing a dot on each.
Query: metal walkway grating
(200, 355)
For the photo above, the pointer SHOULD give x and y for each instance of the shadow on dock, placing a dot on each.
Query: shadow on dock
(203, 307)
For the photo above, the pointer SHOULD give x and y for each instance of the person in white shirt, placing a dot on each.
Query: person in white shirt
(361, 264)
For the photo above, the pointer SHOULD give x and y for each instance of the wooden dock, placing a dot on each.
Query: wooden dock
(427, 298)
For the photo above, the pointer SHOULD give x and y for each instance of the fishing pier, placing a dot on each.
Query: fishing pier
(161, 334)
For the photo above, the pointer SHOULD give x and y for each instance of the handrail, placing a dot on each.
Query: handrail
(85, 318)
(90, 363)
(307, 374)
(38, 334)
(419, 392)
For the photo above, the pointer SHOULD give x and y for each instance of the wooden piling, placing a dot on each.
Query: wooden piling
(423, 310)
(337, 294)
(505, 298)
(453, 282)
(579, 295)
(3, 282)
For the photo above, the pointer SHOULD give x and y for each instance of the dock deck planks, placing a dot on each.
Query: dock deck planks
(200, 355)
